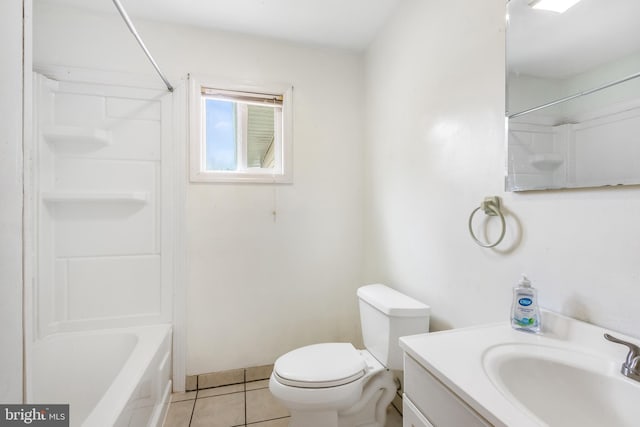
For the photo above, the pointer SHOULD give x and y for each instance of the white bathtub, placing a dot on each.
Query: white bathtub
(116, 377)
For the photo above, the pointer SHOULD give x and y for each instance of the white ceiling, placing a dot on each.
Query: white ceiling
(350, 24)
(591, 33)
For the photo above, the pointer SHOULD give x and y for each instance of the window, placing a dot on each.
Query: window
(240, 133)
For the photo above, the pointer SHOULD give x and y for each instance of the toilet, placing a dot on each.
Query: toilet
(337, 385)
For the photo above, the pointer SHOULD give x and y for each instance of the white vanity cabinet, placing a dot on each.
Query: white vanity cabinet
(429, 403)
(411, 416)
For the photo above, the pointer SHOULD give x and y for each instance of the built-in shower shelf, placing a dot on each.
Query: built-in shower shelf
(546, 161)
(77, 135)
(67, 197)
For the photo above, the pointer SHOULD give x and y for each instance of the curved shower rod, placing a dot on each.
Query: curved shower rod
(127, 21)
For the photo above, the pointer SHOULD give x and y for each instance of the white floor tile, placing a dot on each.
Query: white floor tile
(219, 411)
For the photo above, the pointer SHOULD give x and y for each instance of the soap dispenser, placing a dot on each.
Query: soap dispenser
(525, 312)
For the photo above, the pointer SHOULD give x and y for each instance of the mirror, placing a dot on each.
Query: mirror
(573, 95)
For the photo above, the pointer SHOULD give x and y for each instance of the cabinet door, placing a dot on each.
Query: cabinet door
(441, 406)
(411, 417)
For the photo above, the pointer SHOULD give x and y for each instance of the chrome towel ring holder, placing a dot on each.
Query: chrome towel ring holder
(491, 207)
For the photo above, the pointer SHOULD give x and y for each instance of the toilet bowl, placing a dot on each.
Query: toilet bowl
(337, 385)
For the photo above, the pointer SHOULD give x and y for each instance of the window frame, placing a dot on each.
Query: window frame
(282, 171)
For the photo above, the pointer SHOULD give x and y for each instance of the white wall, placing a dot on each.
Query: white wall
(259, 285)
(435, 147)
(11, 50)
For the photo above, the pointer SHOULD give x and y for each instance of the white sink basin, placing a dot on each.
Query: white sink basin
(568, 375)
(563, 387)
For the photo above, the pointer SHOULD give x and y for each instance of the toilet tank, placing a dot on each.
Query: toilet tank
(386, 315)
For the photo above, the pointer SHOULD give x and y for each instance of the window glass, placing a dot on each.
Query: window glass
(240, 135)
(260, 136)
(220, 125)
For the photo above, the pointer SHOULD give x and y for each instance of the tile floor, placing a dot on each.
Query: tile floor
(249, 404)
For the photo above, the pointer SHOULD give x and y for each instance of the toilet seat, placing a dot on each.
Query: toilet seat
(320, 366)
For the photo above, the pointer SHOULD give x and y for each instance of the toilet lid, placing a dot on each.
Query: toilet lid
(320, 365)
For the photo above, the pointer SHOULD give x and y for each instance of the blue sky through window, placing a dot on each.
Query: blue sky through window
(220, 128)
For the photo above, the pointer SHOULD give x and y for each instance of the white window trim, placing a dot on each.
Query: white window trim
(197, 163)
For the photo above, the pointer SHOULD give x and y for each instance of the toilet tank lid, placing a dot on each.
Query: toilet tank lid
(391, 302)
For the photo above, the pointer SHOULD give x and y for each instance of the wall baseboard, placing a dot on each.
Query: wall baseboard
(229, 377)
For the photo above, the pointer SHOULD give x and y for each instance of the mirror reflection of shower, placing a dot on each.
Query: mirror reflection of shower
(573, 98)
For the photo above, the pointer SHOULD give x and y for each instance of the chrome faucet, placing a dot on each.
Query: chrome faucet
(631, 366)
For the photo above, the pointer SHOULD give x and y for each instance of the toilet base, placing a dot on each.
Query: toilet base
(369, 411)
(367, 416)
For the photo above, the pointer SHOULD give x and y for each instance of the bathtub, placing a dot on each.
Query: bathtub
(116, 377)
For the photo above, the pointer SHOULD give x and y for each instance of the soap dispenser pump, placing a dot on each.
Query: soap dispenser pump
(525, 312)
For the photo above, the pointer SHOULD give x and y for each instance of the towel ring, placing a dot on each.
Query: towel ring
(491, 207)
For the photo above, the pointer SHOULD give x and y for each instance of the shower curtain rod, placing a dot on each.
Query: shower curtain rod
(577, 95)
(127, 21)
